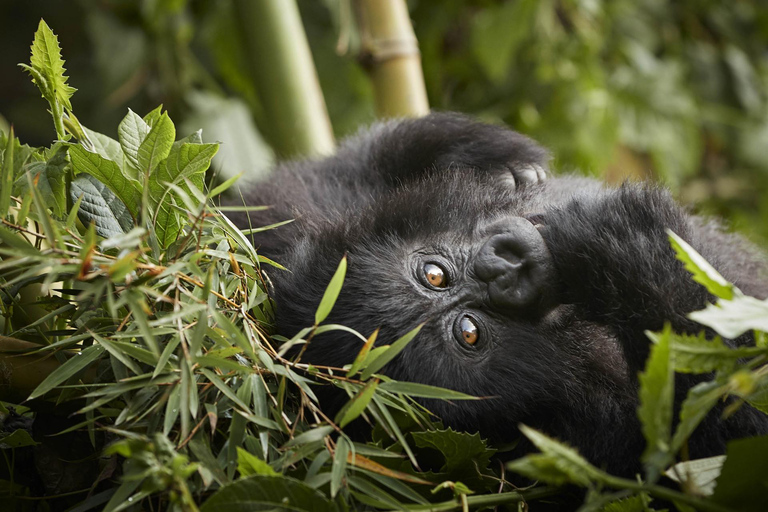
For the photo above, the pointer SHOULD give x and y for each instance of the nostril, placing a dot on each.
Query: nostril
(516, 265)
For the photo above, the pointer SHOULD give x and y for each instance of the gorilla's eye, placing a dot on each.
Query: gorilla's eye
(468, 329)
(435, 275)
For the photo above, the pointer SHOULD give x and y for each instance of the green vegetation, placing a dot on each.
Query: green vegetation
(116, 268)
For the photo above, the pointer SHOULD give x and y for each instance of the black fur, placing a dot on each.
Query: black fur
(439, 189)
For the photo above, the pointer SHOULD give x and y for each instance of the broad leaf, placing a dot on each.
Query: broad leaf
(49, 179)
(156, 145)
(732, 318)
(655, 410)
(742, 484)
(703, 272)
(108, 172)
(557, 464)
(131, 133)
(267, 493)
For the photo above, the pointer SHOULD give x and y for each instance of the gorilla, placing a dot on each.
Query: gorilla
(533, 291)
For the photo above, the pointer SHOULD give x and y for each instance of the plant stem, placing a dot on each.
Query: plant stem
(665, 493)
(485, 500)
(282, 71)
(390, 52)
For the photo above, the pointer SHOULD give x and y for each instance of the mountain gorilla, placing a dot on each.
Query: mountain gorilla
(534, 291)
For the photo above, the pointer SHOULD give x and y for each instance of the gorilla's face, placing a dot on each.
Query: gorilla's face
(473, 268)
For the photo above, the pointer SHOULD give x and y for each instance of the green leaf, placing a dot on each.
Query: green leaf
(703, 273)
(17, 439)
(156, 145)
(697, 354)
(742, 484)
(101, 207)
(131, 133)
(331, 292)
(390, 353)
(339, 465)
(358, 363)
(74, 365)
(732, 318)
(357, 404)
(108, 172)
(267, 493)
(700, 400)
(655, 410)
(186, 162)
(248, 464)
(310, 436)
(558, 463)
(46, 59)
(463, 453)
(425, 391)
(50, 180)
(698, 475)
(6, 176)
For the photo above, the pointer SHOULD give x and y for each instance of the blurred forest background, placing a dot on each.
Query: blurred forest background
(674, 90)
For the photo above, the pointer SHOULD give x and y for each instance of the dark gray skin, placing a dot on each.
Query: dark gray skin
(559, 278)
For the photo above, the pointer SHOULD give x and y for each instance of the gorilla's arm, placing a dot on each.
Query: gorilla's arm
(386, 156)
(615, 263)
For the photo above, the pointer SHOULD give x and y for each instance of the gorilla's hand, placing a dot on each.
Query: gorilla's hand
(614, 261)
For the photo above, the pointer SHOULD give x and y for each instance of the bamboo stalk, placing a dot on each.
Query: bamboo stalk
(281, 68)
(390, 53)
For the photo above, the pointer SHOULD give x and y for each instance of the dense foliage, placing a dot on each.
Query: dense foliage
(115, 263)
(674, 89)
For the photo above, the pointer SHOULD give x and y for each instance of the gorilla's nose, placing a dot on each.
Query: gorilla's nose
(517, 267)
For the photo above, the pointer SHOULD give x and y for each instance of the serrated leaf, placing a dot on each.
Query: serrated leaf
(331, 292)
(390, 353)
(131, 133)
(702, 473)
(655, 410)
(463, 453)
(46, 59)
(156, 145)
(101, 207)
(267, 493)
(356, 405)
(703, 273)
(249, 464)
(697, 354)
(700, 400)
(74, 364)
(732, 318)
(557, 464)
(108, 172)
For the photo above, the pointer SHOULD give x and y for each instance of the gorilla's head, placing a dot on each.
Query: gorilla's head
(462, 254)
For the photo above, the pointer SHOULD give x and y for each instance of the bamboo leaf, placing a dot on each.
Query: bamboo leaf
(356, 406)
(331, 292)
(392, 352)
(72, 367)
